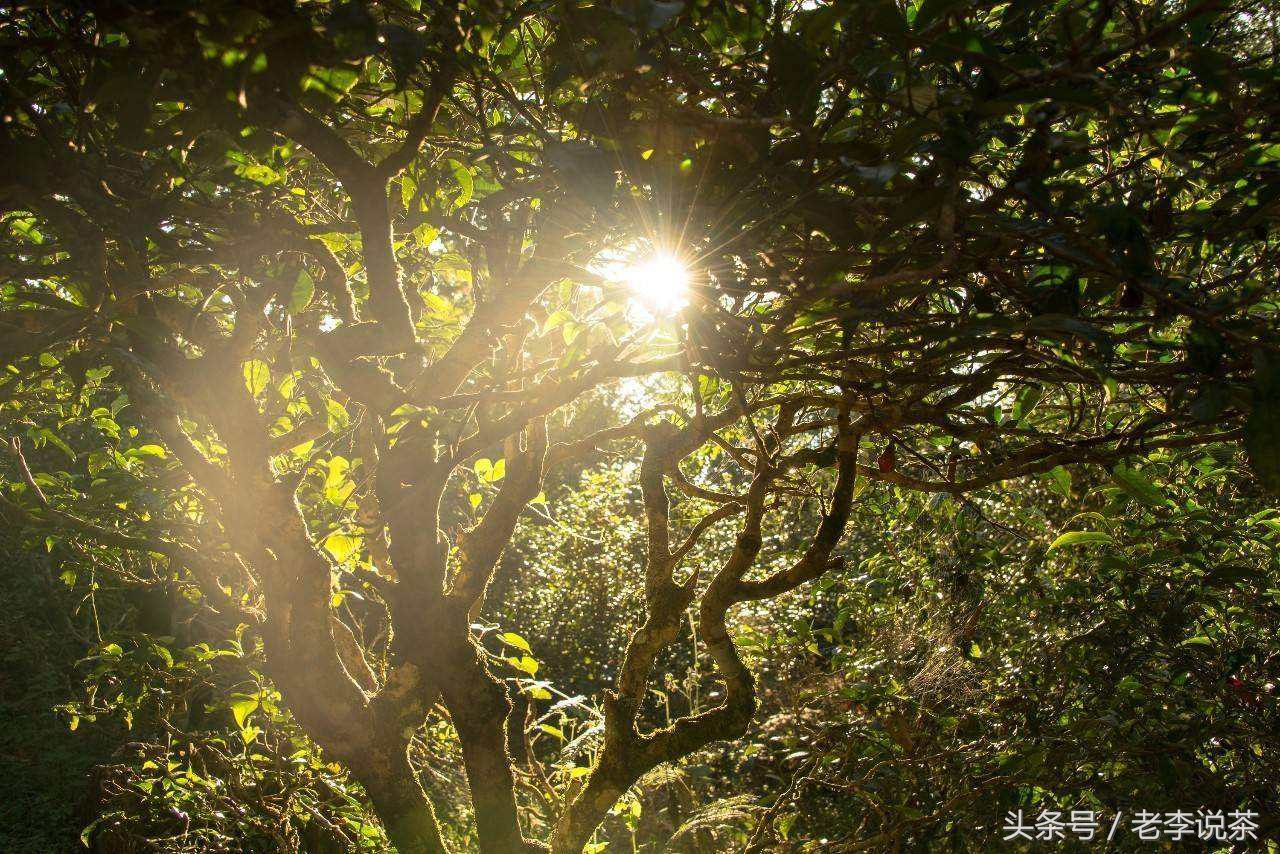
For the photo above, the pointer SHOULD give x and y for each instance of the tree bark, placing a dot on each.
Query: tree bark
(478, 705)
(441, 662)
(406, 812)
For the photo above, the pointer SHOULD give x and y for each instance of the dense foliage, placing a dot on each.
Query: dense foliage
(325, 323)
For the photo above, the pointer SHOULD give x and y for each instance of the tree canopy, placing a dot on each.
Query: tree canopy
(317, 299)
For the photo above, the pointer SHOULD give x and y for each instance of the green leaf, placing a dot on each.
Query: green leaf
(256, 376)
(408, 189)
(334, 82)
(526, 663)
(465, 180)
(1061, 479)
(304, 288)
(57, 441)
(1137, 485)
(425, 235)
(338, 484)
(341, 546)
(242, 708)
(26, 226)
(259, 173)
(336, 415)
(513, 639)
(1198, 640)
(86, 835)
(1080, 538)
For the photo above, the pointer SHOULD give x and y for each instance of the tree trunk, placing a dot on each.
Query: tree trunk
(405, 810)
(479, 707)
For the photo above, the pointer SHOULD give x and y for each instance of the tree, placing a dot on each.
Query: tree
(349, 269)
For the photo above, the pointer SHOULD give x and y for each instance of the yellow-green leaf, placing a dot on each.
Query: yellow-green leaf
(304, 288)
(256, 376)
(241, 709)
(1080, 538)
(341, 546)
(513, 639)
(465, 180)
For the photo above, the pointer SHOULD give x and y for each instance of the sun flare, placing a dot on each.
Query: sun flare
(660, 283)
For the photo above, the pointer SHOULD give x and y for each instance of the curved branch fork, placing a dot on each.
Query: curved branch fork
(627, 754)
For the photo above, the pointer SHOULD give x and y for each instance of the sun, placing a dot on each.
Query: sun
(659, 283)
